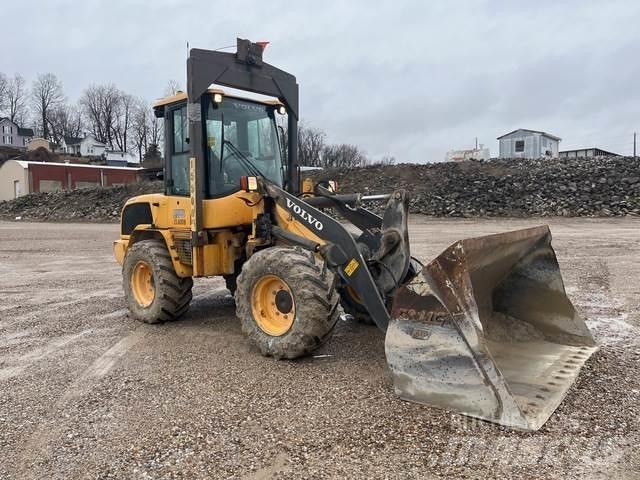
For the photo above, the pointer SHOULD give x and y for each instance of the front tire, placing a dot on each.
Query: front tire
(152, 289)
(286, 302)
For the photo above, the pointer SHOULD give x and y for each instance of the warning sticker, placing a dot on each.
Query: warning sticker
(351, 267)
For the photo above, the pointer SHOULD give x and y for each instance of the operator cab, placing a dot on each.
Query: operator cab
(241, 140)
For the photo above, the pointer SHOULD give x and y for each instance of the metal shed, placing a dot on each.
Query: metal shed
(525, 143)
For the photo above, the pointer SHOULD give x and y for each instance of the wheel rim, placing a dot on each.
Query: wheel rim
(142, 284)
(273, 305)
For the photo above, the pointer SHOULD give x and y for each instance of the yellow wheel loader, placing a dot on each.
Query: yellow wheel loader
(485, 329)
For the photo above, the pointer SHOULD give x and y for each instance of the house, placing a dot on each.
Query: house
(20, 177)
(11, 134)
(82, 147)
(587, 152)
(479, 153)
(525, 143)
(117, 158)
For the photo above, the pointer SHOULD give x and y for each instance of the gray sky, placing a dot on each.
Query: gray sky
(405, 78)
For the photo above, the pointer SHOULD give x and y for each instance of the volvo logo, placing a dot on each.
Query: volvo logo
(306, 216)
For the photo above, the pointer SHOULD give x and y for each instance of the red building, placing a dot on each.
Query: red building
(18, 177)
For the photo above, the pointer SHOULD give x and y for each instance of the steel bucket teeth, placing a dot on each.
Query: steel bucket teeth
(487, 330)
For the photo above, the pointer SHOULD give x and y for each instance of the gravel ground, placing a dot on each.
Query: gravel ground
(86, 392)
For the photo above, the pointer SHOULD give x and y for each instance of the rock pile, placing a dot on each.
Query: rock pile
(591, 187)
(87, 204)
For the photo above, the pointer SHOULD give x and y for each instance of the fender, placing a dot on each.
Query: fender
(340, 252)
(147, 232)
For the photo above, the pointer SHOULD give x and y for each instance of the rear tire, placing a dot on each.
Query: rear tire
(152, 289)
(286, 282)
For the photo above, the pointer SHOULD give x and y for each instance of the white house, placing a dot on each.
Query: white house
(84, 147)
(525, 143)
(12, 135)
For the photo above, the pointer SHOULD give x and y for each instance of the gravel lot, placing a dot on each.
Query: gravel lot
(87, 392)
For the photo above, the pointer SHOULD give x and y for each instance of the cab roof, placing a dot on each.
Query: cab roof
(181, 96)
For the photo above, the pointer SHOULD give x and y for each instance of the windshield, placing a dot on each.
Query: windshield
(242, 139)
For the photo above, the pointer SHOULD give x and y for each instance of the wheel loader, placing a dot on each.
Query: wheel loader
(485, 329)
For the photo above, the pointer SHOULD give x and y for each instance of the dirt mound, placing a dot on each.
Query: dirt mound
(593, 187)
(87, 204)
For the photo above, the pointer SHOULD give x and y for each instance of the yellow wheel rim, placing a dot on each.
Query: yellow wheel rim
(142, 284)
(273, 306)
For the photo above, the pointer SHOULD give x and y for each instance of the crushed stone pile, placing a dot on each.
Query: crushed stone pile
(87, 204)
(571, 187)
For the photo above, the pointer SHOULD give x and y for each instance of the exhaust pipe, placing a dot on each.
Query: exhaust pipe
(486, 329)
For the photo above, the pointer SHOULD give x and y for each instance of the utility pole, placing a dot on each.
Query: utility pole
(476, 143)
(634, 146)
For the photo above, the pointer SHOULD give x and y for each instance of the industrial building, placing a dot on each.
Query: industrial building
(478, 153)
(587, 152)
(525, 143)
(19, 177)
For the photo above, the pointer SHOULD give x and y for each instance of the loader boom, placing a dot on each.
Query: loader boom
(342, 253)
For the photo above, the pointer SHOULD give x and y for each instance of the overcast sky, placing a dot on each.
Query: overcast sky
(411, 79)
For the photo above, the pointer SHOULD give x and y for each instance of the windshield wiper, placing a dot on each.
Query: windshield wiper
(249, 165)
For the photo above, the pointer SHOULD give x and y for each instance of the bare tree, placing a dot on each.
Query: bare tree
(311, 142)
(46, 94)
(140, 127)
(342, 156)
(4, 84)
(65, 121)
(17, 99)
(100, 105)
(123, 120)
(173, 86)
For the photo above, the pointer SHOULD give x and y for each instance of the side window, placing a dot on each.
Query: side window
(180, 131)
(519, 145)
(180, 152)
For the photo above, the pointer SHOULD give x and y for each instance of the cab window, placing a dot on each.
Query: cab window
(180, 151)
(242, 140)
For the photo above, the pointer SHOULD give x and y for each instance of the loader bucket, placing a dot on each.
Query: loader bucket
(487, 330)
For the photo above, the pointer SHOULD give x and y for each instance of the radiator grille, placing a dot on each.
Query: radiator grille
(182, 242)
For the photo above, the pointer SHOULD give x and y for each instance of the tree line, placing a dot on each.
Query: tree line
(126, 123)
(120, 120)
(315, 151)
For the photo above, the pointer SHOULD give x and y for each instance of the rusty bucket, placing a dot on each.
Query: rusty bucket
(487, 330)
